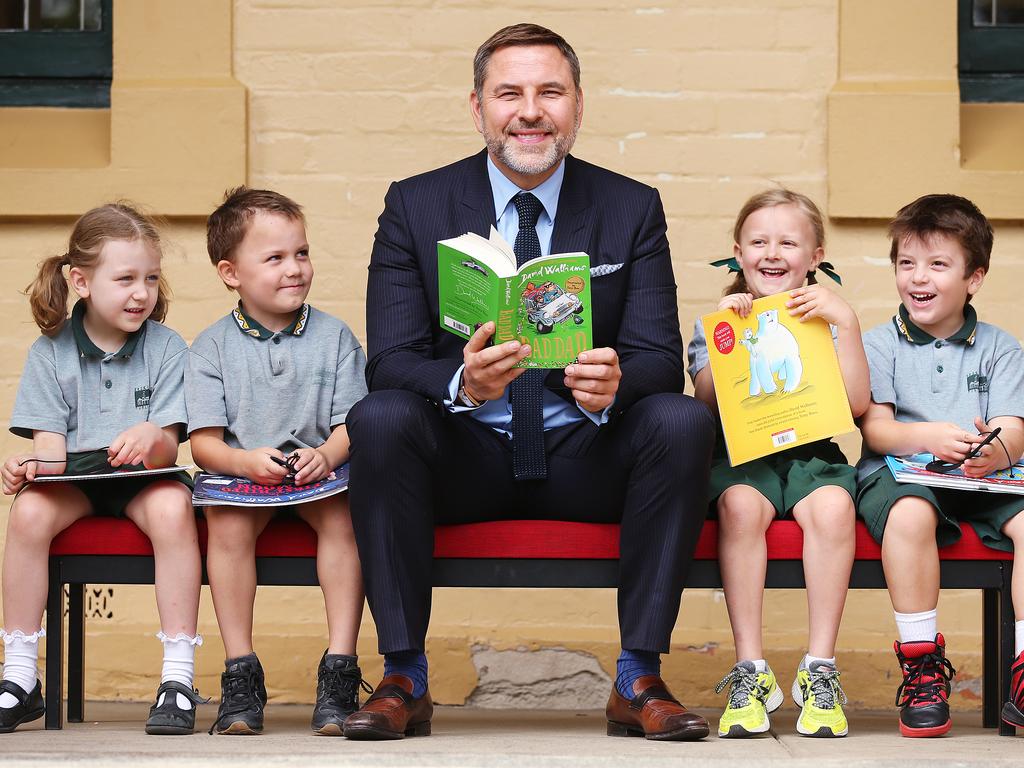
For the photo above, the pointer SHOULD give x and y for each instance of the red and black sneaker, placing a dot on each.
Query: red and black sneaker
(1013, 710)
(923, 696)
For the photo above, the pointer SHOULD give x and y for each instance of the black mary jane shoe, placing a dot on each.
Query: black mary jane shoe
(29, 707)
(167, 718)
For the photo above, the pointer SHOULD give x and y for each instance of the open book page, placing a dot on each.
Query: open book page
(494, 253)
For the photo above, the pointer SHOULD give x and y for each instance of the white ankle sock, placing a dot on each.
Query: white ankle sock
(21, 657)
(917, 626)
(1018, 632)
(807, 660)
(179, 663)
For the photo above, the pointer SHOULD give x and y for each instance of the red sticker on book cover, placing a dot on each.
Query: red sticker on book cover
(724, 338)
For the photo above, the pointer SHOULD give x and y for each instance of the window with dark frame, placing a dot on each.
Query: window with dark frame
(55, 53)
(991, 50)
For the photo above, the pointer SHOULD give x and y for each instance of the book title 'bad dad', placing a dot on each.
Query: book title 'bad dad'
(544, 303)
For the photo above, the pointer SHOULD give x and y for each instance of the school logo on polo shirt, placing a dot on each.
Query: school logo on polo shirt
(977, 382)
(142, 395)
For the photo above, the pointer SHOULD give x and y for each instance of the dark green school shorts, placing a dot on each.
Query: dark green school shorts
(986, 512)
(786, 477)
(109, 497)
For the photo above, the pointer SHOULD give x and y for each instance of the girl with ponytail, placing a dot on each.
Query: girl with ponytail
(102, 391)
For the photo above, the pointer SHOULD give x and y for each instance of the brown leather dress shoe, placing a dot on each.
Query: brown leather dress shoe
(391, 712)
(653, 713)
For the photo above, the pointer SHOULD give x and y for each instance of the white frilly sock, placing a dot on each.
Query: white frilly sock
(179, 663)
(21, 657)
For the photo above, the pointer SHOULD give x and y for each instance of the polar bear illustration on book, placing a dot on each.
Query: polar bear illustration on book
(773, 351)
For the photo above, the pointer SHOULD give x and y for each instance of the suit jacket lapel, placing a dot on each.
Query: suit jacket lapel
(573, 219)
(476, 213)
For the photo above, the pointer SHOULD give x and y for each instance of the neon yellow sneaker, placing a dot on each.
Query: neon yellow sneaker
(752, 696)
(820, 698)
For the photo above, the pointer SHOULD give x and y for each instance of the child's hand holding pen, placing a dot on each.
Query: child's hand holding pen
(263, 466)
(988, 456)
(304, 465)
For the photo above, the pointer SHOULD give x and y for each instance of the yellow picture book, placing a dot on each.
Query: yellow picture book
(777, 380)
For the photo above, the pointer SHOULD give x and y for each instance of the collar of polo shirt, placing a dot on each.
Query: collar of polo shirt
(250, 327)
(915, 335)
(86, 348)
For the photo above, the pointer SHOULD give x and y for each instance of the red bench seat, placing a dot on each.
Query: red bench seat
(511, 553)
(513, 539)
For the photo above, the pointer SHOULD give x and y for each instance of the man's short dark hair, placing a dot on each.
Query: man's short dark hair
(521, 34)
(226, 226)
(950, 215)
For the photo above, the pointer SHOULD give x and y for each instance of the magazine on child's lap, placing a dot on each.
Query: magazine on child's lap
(912, 469)
(229, 491)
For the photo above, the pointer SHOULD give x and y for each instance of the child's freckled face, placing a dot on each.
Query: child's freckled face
(271, 269)
(932, 284)
(777, 249)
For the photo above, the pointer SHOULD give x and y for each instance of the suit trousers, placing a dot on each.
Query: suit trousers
(414, 465)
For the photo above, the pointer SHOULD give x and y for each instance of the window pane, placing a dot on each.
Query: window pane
(1009, 12)
(983, 13)
(92, 15)
(54, 14)
(12, 14)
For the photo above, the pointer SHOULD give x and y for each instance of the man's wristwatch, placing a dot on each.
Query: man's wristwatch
(463, 398)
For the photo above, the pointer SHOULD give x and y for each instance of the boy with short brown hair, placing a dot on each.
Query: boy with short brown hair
(275, 377)
(940, 382)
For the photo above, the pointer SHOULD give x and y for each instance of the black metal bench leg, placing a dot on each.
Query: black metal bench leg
(1005, 644)
(54, 649)
(76, 653)
(990, 659)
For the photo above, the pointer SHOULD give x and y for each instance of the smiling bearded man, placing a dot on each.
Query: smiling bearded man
(448, 424)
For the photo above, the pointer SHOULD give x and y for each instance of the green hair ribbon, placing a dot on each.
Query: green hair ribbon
(733, 266)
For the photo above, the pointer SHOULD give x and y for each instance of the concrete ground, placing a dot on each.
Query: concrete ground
(465, 738)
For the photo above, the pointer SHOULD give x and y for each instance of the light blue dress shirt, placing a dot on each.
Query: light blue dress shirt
(498, 413)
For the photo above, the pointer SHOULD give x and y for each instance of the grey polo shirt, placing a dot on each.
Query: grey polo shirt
(284, 390)
(72, 387)
(978, 371)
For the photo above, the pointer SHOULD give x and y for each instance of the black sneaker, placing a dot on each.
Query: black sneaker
(166, 718)
(338, 680)
(243, 695)
(29, 707)
(923, 696)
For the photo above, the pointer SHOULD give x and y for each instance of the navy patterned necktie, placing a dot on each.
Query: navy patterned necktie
(526, 394)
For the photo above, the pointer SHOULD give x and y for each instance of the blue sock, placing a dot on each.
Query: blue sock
(630, 666)
(412, 664)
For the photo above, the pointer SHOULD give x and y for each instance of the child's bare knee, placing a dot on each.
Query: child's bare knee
(828, 510)
(31, 520)
(911, 517)
(742, 510)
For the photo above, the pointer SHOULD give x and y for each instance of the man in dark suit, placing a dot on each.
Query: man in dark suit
(453, 432)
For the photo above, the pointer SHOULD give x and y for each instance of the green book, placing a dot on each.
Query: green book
(544, 303)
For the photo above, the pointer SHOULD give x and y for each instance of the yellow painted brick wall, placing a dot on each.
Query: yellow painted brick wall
(708, 100)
